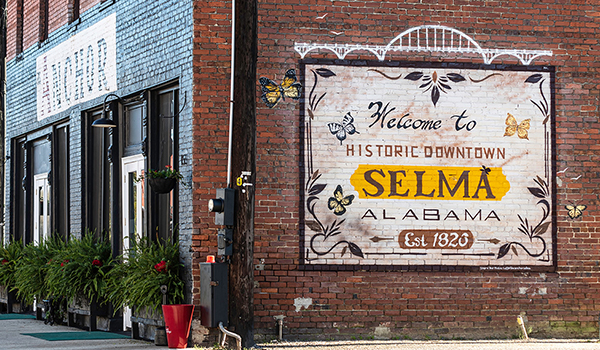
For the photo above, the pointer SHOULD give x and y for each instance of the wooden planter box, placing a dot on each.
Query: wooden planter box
(83, 314)
(9, 300)
(144, 322)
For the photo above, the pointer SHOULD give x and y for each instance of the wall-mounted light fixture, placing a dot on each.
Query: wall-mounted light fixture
(105, 122)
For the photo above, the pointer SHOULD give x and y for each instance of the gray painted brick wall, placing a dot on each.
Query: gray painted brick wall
(154, 46)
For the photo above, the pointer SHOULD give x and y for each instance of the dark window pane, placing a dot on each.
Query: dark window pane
(61, 178)
(135, 128)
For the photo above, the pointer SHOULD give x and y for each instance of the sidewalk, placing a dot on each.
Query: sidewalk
(12, 338)
(532, 344)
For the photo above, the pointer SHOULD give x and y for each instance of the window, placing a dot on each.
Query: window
(19, 190)
(40, 185)
(98, 178)
(163, 152)
(73, 11)
(43, 22)
(19, 30)
(60, 175)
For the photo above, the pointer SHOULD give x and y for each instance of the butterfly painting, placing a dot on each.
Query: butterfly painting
(346, 127)
(575, 211)
(338, 202)
(520, 129)
(273, 93)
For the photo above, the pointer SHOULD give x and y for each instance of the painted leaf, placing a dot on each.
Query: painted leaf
(435, 95)
(536, 192)
(355, 250)
(503, 250)
(514, 250)
(455, 77)
(316, 175)
(542, 181)
(309, 202)
(534, 78)
(445, 86)
(316, 189)
(414, 76)
(310, 113)
(324, 72)
(542, 228)
(344, 251)
(313, 225)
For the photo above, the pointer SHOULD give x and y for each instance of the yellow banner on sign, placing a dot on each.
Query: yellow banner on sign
(429, 182)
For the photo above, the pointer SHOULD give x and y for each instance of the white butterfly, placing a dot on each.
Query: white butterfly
(340, 130)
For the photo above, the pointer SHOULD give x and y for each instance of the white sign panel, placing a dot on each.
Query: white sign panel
(82, 68)
(426, 165)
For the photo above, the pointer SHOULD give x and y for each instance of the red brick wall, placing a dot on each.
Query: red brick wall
(31, 20)
(57, 14)
(415, 304)
(57, 17)
(85, 5)
(11, 29)
(211, 120)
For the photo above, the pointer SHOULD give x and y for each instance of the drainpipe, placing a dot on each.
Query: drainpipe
(2, 111)
(231, 85)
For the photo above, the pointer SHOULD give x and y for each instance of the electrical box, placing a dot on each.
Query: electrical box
(223, 206)
(224, 241)
(214, 294)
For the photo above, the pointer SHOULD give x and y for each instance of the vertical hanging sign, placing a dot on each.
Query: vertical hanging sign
(428, 165)
(79, 69)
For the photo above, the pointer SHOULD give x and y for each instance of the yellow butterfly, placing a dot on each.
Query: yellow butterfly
(575, 211)
(338, 202)
(272, 93)
(520, 129)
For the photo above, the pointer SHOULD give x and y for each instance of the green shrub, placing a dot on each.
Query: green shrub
(79, 270)
(137, 279)
(9, 258)
(32, 268)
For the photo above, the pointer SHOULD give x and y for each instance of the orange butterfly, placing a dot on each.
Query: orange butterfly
(272, 92)
(512, 127)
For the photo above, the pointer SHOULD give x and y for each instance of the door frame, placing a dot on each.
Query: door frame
(41, 231)
(137, 164)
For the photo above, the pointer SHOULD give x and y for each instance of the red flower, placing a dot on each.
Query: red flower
(64, 262)
(161, 266)
(4, 261)
(97, 262)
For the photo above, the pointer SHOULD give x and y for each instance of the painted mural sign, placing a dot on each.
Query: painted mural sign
(80, 69)
(425, 165)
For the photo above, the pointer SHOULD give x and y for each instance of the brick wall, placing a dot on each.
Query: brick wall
(150, 53)
(338, 303)
(31, 22)
(57, 14)
(11, 28)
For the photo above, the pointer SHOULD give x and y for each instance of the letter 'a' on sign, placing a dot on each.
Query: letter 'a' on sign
(427, 166)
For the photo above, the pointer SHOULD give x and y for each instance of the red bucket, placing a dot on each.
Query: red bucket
(178, 320)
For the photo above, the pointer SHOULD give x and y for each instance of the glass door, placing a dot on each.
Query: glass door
(41, 208)
(133, 210)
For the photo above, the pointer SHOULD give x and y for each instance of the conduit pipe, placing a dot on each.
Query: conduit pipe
(231, 334)
(231, 86)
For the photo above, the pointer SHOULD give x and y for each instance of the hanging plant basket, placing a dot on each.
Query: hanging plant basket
(162, 185)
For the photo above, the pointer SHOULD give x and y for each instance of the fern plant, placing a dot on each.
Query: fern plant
(136, 281)
(9, 258)
(80, 269)
(31, 270)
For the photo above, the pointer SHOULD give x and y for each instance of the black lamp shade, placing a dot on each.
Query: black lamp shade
(104, 123)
